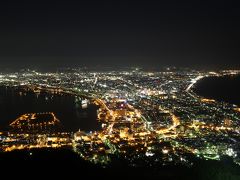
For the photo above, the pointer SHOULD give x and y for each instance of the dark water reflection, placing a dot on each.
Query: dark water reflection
(14, 102)
(226, 88)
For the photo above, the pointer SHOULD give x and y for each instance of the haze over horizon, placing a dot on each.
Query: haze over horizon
(119, 34)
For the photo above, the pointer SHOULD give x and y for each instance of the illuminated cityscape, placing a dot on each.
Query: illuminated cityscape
(148, 117)
(122, 89)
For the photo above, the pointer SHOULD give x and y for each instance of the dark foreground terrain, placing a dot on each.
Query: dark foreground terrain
(64, 163)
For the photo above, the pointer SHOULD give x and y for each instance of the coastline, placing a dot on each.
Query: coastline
(203, 88)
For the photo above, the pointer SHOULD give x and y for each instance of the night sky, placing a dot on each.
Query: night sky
(199, 34)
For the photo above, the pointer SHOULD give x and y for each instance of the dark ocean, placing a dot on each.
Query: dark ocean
(226, 88)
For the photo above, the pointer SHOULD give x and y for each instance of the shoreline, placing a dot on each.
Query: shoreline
(193, 89)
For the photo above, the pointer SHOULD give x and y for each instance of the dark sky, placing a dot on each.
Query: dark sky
(120, 33)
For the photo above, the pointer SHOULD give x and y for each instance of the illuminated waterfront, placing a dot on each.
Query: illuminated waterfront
(68, 108)
(225, 88)
(146, 117)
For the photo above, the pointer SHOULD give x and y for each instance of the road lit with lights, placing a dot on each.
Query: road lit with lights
(144, 115)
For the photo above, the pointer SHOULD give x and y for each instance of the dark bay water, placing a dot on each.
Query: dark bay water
(226, 88)
(14, 102)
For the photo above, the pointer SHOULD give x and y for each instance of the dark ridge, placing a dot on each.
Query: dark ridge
(65, 163)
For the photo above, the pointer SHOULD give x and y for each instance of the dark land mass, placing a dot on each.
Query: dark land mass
(65, 163)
